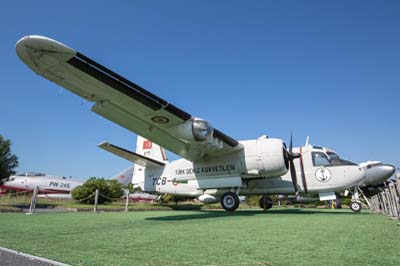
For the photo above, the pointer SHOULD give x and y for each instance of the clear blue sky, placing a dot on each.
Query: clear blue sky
(327, 69)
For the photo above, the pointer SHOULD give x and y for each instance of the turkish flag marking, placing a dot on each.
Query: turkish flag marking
(147, 144)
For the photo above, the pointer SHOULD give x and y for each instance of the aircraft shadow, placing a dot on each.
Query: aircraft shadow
(209, 214)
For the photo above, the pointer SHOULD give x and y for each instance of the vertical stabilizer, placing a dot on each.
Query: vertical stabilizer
(151, 150)
(125, 176)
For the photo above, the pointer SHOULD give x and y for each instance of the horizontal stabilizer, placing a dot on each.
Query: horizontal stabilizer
(130, 156)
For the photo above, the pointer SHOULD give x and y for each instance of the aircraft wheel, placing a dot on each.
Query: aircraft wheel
(266, 203)
(230, 201)
(337, 204)
(355, 206)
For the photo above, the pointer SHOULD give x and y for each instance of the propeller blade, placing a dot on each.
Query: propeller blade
(293, 156)
(293, 175)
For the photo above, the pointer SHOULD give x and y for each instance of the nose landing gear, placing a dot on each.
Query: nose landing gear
(355, 206)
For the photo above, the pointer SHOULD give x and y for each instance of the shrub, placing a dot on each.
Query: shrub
(109, 188)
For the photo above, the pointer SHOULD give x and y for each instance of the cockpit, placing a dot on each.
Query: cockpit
(323, 157)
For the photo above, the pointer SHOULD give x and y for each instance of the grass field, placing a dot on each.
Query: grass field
(23, 202)
(276, 237)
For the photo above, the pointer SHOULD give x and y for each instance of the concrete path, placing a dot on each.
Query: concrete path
(9, 257)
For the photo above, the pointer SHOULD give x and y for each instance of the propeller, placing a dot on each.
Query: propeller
(290, 157)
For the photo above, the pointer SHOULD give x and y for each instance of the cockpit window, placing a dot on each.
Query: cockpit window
(320, 159)
(31, 174)
(332, 155)
(329, 159)
(373, 165)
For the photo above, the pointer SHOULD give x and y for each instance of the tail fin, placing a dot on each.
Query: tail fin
(151, 150)
(125, 176)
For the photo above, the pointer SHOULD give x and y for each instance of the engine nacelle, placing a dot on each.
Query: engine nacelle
(266, 158)
(195, 129)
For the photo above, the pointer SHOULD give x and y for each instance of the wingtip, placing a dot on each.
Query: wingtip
(103, 144)
(40, 52)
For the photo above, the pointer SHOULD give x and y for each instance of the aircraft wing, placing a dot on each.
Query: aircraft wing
(130, 156)
(124, 102)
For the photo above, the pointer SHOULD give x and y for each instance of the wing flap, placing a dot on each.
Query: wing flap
(130, 156)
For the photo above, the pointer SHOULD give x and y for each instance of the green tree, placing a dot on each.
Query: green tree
(133, 189)
(8, 161)
(109, 189)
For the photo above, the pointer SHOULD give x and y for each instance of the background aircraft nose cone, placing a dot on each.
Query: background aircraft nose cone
(389, 170)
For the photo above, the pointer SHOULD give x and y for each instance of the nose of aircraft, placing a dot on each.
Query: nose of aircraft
(388, 170)
(40, 53)
(378, 174)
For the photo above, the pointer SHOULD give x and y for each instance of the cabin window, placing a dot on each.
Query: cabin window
(320, 159)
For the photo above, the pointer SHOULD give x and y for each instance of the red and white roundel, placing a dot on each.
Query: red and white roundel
(147, 144)
(160, 119)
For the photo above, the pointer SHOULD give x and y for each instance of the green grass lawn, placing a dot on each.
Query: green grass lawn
(17, 203)
(276, 237)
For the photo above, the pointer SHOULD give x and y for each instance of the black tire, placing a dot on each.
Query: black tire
(355, 206)
(266, 203)
(230, 201)
(337, 204)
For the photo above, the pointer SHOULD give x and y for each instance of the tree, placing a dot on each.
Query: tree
(8, 161)
(109, 189)
(133, 189)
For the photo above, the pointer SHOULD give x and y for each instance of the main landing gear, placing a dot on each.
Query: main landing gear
(230, 201)
(265, 203)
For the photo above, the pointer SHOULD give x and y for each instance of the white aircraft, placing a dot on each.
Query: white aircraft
(312, 159)
(376, 174)
(214, 166)
(52, 186)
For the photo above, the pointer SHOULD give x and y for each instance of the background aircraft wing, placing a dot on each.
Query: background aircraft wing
(122, 101)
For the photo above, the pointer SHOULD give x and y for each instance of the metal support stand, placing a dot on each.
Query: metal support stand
(33, 201)
(127, 200)
(96, 200)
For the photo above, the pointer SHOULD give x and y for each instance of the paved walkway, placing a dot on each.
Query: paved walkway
(10, 257)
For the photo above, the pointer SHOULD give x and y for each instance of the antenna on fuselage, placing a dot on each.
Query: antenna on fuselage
(307, 141)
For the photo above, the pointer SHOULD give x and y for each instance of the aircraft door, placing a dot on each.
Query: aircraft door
(318, 175)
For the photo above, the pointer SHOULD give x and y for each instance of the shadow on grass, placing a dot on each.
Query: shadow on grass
(243, 213)
(27, 205)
